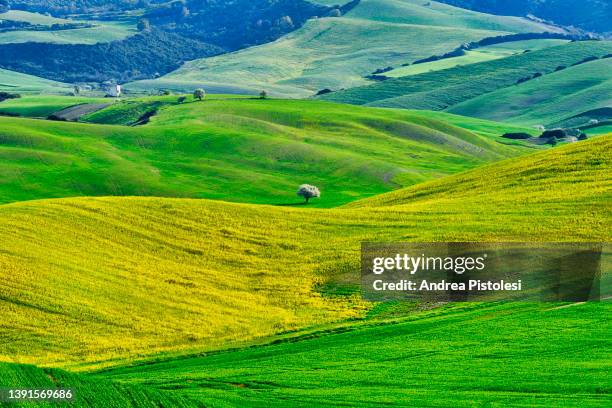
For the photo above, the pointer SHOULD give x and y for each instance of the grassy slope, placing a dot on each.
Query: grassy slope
(41, 106)
(88, 392)
(105, 31)
(482, 54)
(519, 355)
(443, 89)
(551, 98)
(338, 52)
(600, 130)
(135, 276)
(240, 150)
(32, 18)
(11, 81)
(521, 180)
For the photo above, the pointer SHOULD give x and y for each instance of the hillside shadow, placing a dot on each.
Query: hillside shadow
(291, 204)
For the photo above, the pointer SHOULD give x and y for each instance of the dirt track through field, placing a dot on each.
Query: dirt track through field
(73, 113)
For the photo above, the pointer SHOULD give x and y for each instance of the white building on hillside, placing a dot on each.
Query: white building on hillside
(113, 91)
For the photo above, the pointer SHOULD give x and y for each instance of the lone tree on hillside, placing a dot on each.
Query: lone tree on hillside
(263, 95)
(199, 94)
(307, 191)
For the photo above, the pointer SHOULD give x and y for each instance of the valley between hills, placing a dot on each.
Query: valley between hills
(154, 252)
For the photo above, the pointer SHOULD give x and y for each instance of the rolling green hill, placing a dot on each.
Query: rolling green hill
(469, 81)
(42, 106)
(132, 277)
(11, 81)
(520, 180)
(546, 100)
(32, 18)
(494, 90)
(338, 52)
(245, 150)
(592, 15)
(519, 355)
(481, 54)
(88, 392)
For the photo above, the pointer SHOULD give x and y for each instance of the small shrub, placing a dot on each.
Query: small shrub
(587, 59)
(377, 77)
(382, 70)
(5, 95)
(517, 136)
(521, 80)
(555, 133)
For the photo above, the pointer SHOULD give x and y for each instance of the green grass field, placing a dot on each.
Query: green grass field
(32, 18)
(463, 356)
(546, 100)
(470, 86)
(245, 150)
(338, 52)
(600, 130)
(154, 253)
(134, 277)
(16, 82)
(41, 106)
(482, 54)
(102, 31)
(91, 392)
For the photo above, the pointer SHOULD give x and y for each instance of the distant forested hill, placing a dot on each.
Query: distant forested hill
(171, 32)
(229, 24)
(592, 15)
(140, 56)
(235, 24)
(62, 7)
